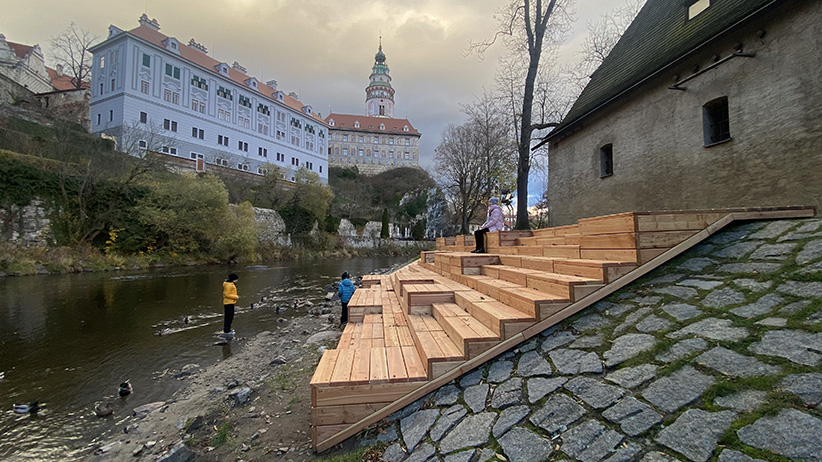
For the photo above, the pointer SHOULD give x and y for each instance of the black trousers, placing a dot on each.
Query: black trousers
(479, 239)
(228, 318)
(344, 315)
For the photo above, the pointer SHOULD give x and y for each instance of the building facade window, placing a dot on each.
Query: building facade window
(697, 7)
(198, 133)
(243, 122)
(224, 114)
(170, 150)
(606, 160)
(198, 106)
(716, 126)
(242, 146)
(146, 60)
(143, 117)
(170, 125)
(144, 87)
(222, 140)
(199, 82)
(173, 71)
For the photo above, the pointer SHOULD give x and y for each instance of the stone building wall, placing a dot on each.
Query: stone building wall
(659, 161)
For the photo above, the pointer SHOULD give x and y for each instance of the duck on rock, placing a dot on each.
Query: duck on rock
(125, 388)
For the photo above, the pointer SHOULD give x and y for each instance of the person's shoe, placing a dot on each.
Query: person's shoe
(228, 335)
(475, 251)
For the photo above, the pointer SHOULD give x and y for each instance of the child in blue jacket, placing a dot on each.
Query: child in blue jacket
(345, 291)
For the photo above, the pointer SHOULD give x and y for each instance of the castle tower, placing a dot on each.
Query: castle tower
(379, 96)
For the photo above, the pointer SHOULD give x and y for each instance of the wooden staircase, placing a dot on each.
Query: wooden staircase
(439, 316)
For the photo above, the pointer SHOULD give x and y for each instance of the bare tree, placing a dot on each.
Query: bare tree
(70, 49)
(475, 159)
(527, 28)
(602, 35)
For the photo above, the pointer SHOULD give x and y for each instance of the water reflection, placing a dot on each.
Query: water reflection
(70, 340)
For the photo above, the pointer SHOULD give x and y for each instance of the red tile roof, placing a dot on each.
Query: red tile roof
(201, 59)
(63, 82)
(371, 124)
(19, 49)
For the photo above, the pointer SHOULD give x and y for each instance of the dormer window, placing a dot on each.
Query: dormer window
(331, 122)
(697, 7)
(222, 68)
(278, 95)
(356, 124)
(382, 126)
(308, 109)
(172, 45)
(252, 82)
(405, 128)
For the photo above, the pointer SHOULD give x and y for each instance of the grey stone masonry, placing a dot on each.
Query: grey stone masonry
(633, 416)
(714, 329)
(575, 361)
(682, 311)
(792, 434)
(744, 401)
(695, 433)
(802, 289)
(631, 377)
(807, 386)
(680, 388)
(590, 441)
(538, 387)
(521, 444)
(723, 297)
(798, 346)
(647, 375)
(682, 349)
(764, 305)
(532, 364)
(810, 252)
(557, 413)
(473, 431)
(627, 347)
(734, 364)
(593, 392)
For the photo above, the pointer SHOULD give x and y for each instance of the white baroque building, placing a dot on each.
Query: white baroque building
(150, 86)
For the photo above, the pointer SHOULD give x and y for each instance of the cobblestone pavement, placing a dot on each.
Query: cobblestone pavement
(716, 355)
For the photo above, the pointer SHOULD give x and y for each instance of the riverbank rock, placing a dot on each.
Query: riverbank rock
(146, 409)
(323, 336)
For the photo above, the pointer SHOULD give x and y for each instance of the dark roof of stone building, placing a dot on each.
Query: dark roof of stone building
(659, 36)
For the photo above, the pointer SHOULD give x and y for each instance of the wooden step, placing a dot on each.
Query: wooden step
(365, 301)
(607, 271)
(419, 297)
(501, 319)
(437, 351)
(556, 231)
(470, 335)
(561, 251)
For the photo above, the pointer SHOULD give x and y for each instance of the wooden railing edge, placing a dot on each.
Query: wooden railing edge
(570, 310)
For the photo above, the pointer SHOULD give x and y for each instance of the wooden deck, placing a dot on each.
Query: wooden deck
(442, 316)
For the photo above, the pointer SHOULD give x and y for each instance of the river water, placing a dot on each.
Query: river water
(69, 340)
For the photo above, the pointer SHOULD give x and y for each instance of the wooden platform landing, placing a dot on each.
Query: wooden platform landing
(414, 330)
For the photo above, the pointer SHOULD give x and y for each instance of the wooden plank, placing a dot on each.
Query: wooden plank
(342, 368)
(663, 239)
(609, 241)
(322, 375)
(626, 255)
(538, 263)
(646, 255)
(359, 394)
(413, 365)
(565, 251)
(346, 414)
(396, 364)
(379, 366)
(360, 369)
(609, 224)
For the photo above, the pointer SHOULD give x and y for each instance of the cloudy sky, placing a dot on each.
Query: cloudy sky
(321, 49)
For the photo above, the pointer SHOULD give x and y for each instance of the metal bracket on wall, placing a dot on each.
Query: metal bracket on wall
(736, 54)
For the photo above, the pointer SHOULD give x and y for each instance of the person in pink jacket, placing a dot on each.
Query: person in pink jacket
(495, 222)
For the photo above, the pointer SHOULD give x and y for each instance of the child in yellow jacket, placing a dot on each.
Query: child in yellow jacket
(230, 297)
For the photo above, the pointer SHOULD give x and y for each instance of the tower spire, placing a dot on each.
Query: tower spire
(379, 96)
